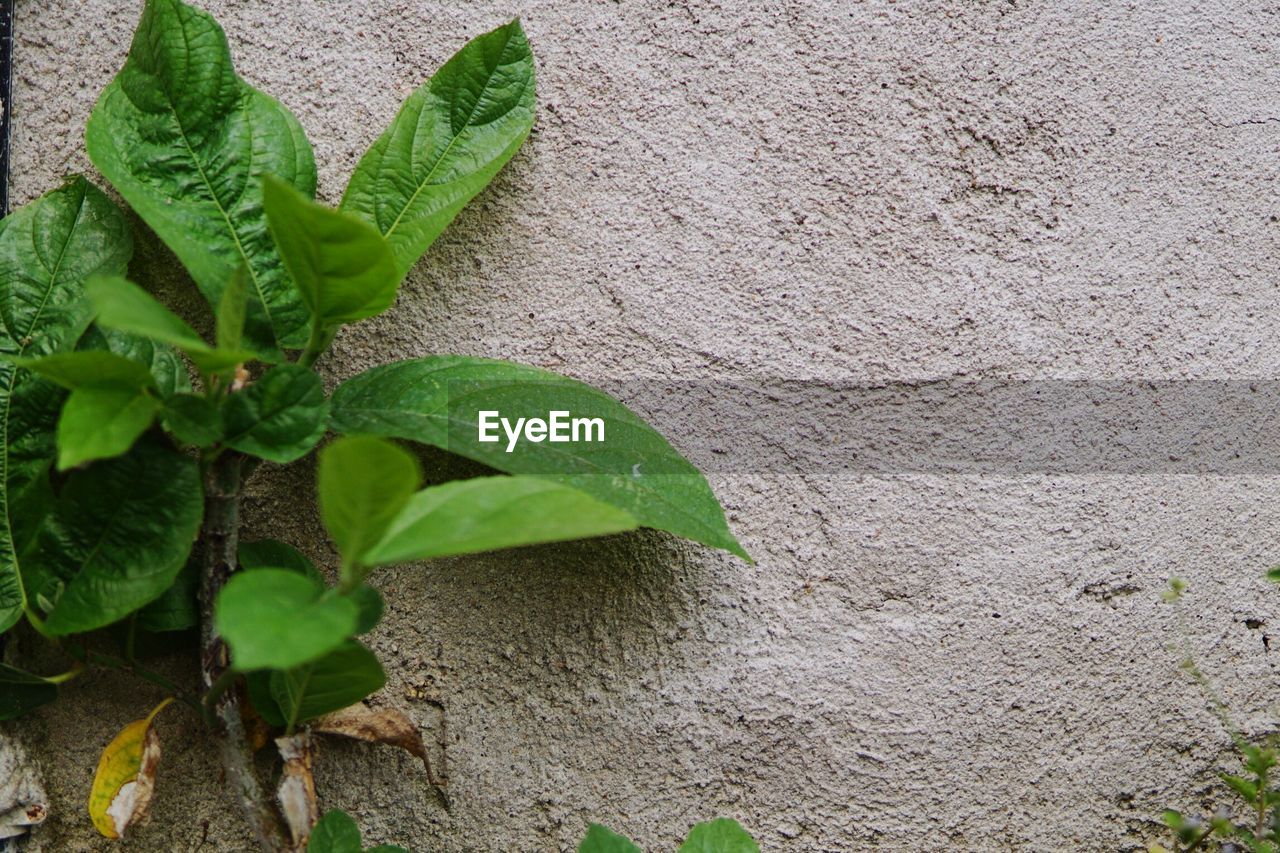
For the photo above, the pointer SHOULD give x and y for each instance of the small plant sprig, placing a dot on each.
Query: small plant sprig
(1257, 828)
(126, 436)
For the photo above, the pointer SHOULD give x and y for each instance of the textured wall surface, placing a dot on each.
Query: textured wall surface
(819, 190)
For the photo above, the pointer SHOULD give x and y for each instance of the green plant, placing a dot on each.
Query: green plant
(722, 835)
(128, 436)
(1257, 828)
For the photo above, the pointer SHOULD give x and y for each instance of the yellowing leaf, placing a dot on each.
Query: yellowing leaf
(125, 777)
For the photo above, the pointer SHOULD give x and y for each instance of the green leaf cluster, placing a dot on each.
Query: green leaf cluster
(723, 835)
(118, 416)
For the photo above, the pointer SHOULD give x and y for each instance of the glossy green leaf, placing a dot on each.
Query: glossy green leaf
(98, 369)
(273, 554)
(21, 692)
(279, 619)
(602, 840)
(343, 268)
(447, 142)
(47, 250)
(719, 836)
(437, 401)
(363, 483)
(193, 419)
(186, 142)
(98, 423)
(490, 513)
(339, 679)
(119, 535)
(280, 417)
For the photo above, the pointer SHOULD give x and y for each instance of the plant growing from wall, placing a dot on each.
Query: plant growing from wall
(127, 436)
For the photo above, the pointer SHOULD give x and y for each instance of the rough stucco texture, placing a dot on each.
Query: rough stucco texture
(823, 190)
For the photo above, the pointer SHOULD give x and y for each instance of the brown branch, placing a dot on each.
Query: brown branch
(219, 538)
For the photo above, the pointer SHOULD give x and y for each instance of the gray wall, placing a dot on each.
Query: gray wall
(815, 190)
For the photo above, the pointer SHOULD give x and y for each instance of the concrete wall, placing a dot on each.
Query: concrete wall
(818, 190)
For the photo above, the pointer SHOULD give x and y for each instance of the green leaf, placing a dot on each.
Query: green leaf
(126, 307)
(98, 369)
(232, 309)
(363, 483)
(437, 401)
(343, 268)
(719, 836)
(168, 370)
(279, 619)
(280, 417)
(336, 681)
(259, 686)
(336, 832)
(1246, 789)
(177, 608)
(186, 142)
(447, 142)
(602, 840)
(98, 423)
(369, 602)
(119, 535)
(47, 250)
(21, 692)
(193, 419)
(273, 554)
(490, 513)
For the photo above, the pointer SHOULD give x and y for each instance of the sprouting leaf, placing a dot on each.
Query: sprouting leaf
(47, 250)
(274, 554)
(193, 419)
(98, 423)
(186, 142)
(363, 483)
(280, 417)
(124, 306)
(122, 786)
(91, 369)
(600, 839)
(491, 513)
(279, 619)
(21, 692)
(437, 401)
(119, 535)
(723, 835)
(447, 142)
(343, 268)
(1246, 789)
(341, 678)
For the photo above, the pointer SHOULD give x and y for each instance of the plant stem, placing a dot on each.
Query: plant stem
(219, 538)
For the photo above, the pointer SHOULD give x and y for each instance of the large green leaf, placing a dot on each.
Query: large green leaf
(279, 619)
(91, 369)
(343, 268)
(178, 608)
(363, 483)
(98, 423)
(279, 417)
(21, 692)
(602, 840)
(186, 142)
(47, 250)
(490, 513)
(437, 401)
(274, 554)
(447, 142)
(339, 679)
(168, 370)
(119, 535)
(722, 835)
